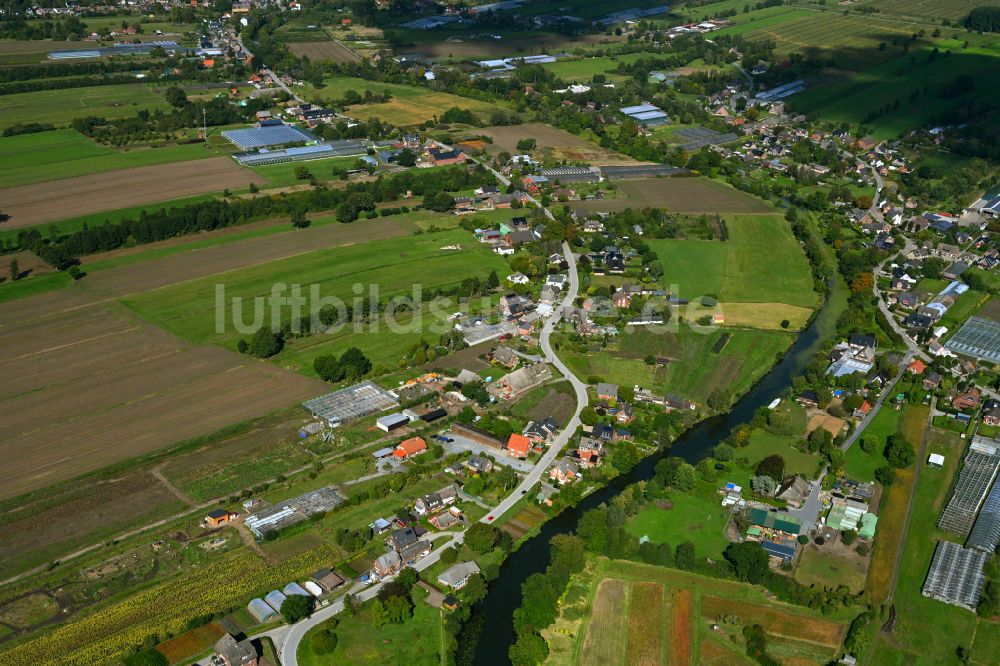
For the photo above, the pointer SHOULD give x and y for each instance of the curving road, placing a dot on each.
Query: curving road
(287, 639)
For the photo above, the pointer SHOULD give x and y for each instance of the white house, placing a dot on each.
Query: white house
(518, 278)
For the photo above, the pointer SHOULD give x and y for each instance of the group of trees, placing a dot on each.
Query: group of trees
(351, 366)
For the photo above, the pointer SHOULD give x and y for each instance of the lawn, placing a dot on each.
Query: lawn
(416, 642)
(386, 266)
(409, 105)
(284, 175)
(733, 270)
(818, 567)
(764, 443)
(861, 466)
(60, 107)
(696, 516)
(66, 153)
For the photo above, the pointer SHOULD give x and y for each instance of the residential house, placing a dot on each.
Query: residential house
(794, 490)
(540, 431)
(967, 400)
(518, 278)
(403, 537)
(589, 451)
(557, 281)
(931, 381)
(564, 471)
(514, 305)
(409, 448)
(916, 367)
(625, 413)
(457, 575)
(434, 501)
(518, 446)
(602, 432)
(445, 519)
(991, 412)
(479, 464)
(506, 357)
(519, 237)
(607, 391)
(236, 653)
(387, 564)
(862, 411)
(907, 301)
(672, 402)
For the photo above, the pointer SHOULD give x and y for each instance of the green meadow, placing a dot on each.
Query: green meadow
(65, 153)
(189, 309)
(60, 107)
(760, 263)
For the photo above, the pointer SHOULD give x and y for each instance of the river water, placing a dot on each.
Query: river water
(532, 557)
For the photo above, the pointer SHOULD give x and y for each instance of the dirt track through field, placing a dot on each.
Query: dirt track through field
(57, 199)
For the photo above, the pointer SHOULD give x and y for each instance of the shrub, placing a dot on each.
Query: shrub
(324, 642)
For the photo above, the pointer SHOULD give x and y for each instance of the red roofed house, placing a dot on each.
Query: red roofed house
(967, 400)
(917, 367)
(518, 446)
(413, 446)
(863, 410)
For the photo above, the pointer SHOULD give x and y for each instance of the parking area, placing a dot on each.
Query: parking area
(459, 444)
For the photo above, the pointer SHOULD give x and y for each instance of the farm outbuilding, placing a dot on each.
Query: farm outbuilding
(392, 422)
(351, 403)
(260, 610)
(295, 588)
(956, 576)
(274, 599)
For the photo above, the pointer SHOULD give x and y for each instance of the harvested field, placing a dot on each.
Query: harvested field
(831, 423)
(122, 388)
(774, 621)
(331, 50)
(713, 652)
(493, 48)
(552, 143)
(28, 265)
(766, 315)
(681, 627)
(678, 195)
(645, 625)
(46, 202)
(605, 639)
(556, 404)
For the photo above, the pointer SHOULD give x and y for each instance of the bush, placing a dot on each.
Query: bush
(324, 641)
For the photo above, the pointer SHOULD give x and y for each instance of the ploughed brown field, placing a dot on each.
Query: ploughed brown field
(332, 50)
(553, 143)
(50, 201)
(490, 48)
(85, 384)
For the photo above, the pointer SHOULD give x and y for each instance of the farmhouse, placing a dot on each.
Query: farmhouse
(409, 448)
(443, 157)
(236, 653)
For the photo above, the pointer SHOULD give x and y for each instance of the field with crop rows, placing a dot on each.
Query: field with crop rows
(60, 107)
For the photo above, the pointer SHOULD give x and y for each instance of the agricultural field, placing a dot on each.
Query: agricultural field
(552, 144)
(924, 10)
(66, 153)
(284, 175)
(677, 195)
(449, 44)
(696, 369)
(893, 508)
(123, 388)
(732, 271)
(189, 310)
(913, 79)
(665, 617)
(328, 50)
(60, 107)
(910, 642)
(48, 202)
(410, 105)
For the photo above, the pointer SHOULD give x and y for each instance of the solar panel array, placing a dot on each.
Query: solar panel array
(956, 576)
(974, 481)
(978, 337)
(351, 403)
(249, 138)
(985, 535)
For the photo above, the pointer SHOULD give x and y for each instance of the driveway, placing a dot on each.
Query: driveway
(465, 444)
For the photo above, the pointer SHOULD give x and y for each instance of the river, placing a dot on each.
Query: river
(532, 557)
